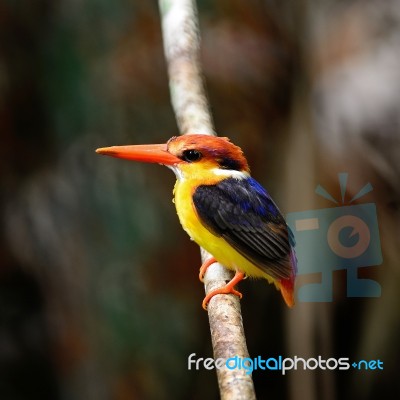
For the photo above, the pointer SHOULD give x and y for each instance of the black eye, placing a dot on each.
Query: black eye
(191, 155)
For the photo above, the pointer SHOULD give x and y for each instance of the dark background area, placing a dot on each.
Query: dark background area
(99, 296)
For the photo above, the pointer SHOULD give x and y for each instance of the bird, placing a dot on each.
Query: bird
(223, 209)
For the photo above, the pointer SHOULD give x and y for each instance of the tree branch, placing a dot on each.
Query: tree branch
(181, 46)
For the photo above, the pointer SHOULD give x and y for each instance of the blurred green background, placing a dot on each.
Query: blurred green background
(99, 296)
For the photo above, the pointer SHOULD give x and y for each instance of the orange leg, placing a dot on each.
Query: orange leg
(204, 268)
(227, 289)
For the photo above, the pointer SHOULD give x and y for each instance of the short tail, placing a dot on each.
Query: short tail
(287, 290)
(287, 285)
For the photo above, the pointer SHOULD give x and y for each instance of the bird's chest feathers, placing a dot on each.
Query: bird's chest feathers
(184, 189)
(183, 199)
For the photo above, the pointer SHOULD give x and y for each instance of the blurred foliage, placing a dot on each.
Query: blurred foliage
(99, 297)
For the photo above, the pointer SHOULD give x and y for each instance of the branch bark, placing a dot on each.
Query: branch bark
(181, 47)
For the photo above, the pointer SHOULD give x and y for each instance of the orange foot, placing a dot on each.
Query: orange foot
(227, 289)
(204, 268)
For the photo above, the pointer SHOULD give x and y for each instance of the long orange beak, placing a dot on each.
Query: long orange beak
(151, 153)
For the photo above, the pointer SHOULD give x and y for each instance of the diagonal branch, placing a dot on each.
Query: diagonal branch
(181, 46)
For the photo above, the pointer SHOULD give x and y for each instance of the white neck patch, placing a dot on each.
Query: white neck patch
(230, 173)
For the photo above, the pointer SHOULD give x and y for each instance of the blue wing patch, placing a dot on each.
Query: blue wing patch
(243, 213)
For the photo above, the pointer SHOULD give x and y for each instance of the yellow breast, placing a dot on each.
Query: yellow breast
(223, 252)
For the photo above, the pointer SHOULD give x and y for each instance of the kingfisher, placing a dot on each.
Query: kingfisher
(223, 209)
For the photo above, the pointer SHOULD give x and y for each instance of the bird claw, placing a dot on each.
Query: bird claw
(227, 289)
(204, 268)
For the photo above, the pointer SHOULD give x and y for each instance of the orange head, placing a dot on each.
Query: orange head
(188, 155)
